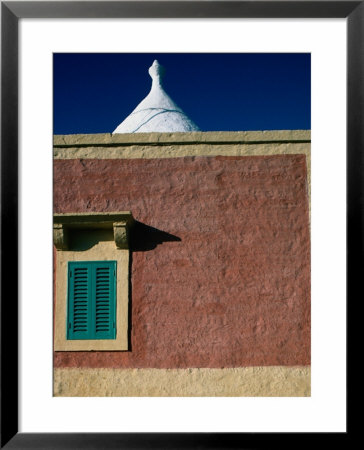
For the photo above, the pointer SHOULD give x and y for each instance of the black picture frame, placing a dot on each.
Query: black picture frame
(11, 12)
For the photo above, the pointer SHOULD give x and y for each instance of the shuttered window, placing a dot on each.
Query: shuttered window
(91, 300)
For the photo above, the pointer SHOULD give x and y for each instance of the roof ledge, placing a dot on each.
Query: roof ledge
(119, 222)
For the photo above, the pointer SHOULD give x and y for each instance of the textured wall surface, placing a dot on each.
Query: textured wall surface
(220, 273)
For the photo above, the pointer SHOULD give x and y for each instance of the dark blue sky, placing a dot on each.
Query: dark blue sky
(94, 92)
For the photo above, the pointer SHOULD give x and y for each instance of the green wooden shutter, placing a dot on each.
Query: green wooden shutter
(91, 300)
(79, 301)
(104, 295)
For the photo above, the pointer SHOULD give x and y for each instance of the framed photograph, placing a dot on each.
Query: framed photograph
(173, 223)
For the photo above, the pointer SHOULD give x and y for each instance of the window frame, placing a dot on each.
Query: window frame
(105, 237)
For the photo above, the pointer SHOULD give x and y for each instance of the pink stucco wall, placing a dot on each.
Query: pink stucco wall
(220, 272)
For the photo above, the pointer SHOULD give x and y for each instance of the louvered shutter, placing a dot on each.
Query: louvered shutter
(79, 301)
(104, 296)
(91, 300)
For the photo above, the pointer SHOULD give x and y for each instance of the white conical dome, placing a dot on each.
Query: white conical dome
(157, 112)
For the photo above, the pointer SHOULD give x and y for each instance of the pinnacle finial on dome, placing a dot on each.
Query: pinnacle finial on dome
(156, 71)
(157, 112)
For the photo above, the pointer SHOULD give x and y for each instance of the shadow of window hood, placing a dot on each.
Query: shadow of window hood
(144, 238)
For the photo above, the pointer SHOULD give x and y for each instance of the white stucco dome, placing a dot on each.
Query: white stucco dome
(157, 112)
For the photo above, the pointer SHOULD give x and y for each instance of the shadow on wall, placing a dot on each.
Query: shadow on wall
(82, 240)
(144, 238)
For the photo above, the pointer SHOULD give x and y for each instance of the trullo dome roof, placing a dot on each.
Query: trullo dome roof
(157, 112)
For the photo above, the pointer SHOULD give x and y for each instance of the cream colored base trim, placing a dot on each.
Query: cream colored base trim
(275, 381)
